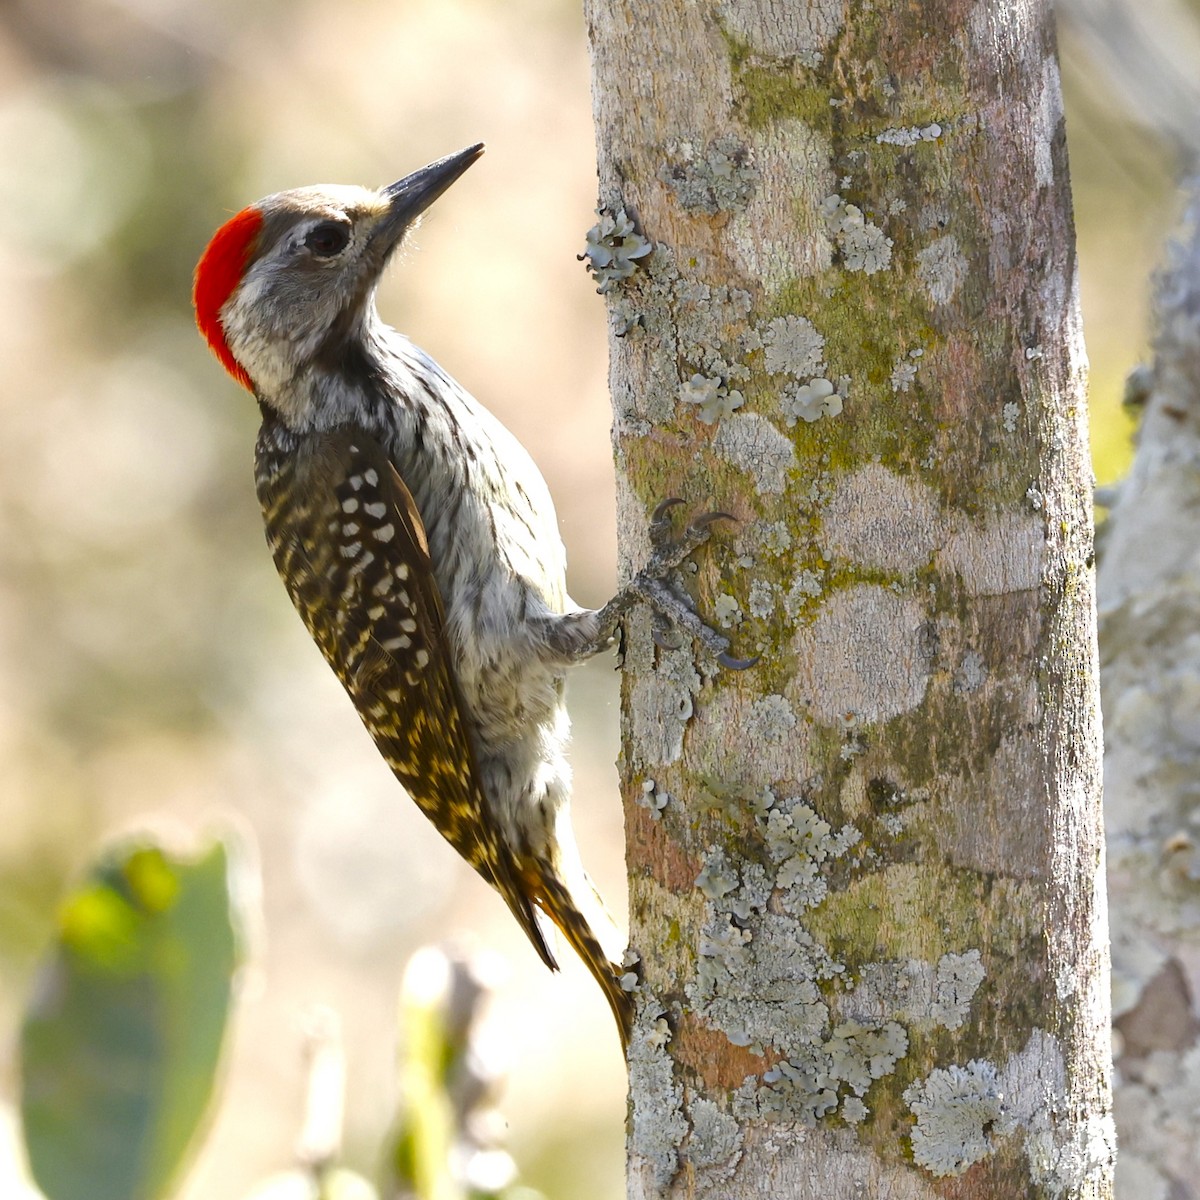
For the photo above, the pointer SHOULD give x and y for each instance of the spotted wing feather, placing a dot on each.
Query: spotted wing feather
(350, 546)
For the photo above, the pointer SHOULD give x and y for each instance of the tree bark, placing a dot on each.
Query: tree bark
(866, 877)
(1149, 617)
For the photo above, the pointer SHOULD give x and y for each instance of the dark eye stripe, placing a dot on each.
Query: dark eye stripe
(328, 238)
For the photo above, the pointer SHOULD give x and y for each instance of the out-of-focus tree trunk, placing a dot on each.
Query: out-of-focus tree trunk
(866, 876)
(1150, 646)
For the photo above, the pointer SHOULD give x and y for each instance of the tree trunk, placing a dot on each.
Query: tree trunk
(865, 875)
(1150, 615)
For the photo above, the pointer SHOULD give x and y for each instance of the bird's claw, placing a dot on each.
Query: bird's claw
(730, 663)
(701, 523)
(673, 614)
(664, 506)
(664, 634)
(660, 521)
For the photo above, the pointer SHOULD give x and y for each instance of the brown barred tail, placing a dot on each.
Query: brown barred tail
(521, 904)
(559, 905)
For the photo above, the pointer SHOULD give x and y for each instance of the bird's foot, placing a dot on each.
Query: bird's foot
(674, 615)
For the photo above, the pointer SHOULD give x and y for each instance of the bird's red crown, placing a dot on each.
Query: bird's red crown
(218, 272)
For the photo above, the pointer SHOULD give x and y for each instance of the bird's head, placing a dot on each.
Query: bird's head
(289, 279)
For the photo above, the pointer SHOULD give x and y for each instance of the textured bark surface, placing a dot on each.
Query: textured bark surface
(866, 876)
(1150, 647)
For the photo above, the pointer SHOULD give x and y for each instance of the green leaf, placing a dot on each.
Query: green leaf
(121, 1042)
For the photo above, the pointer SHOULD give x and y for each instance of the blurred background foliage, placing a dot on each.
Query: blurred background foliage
(152, 671)
(122, 1037)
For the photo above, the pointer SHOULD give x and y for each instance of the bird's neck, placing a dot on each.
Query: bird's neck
(346, 381)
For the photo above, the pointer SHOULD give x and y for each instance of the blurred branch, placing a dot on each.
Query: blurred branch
(320, 1142)
(447, 1144)
(317, 1175)
(1149, 603)
(1144, 54)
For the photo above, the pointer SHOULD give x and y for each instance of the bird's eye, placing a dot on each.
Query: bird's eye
(328, 238)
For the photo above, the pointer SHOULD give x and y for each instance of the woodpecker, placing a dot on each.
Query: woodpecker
(420, 546)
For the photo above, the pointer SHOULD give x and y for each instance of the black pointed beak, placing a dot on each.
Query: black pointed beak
(411, 196)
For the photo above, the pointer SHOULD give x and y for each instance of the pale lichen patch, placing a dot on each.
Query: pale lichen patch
(758, 974)
(860, 1053)
(999, 555)
(825, 1067)
(653, 799)
(956, 1109)
(772, 718)
(658, 1122)
(971, 674)
(733, 895)
(712, 397)
(1063, 1156)
(863, 245)
(942, 269)
(717, 178)
(881, 520)
(751, 443)
(909, 135)
(770, 240)
(713, 330)
(662, 704)
(801, 841)
(714, 1146)
(921, 994)
(866, 652)
(721, 946)
(964, 1112)
(772, 998)
(762, 599)
(811, 401)
(727, 611)
(614, 249)
(805, 587)
(957, 980)
(717, 879)
(699, 351)
(792, 346)
(774, 536)
(903, 376)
